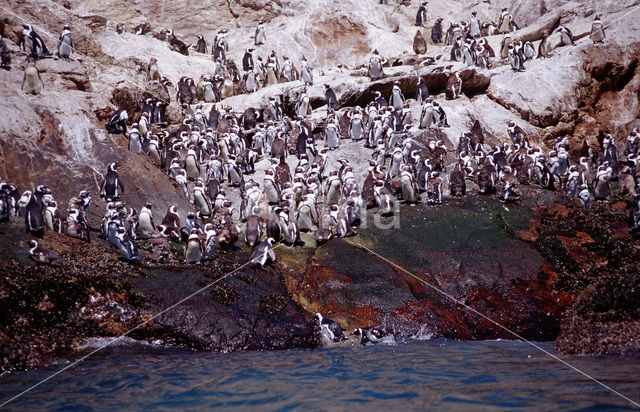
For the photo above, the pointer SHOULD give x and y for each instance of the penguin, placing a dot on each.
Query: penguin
(506, 23)
(601, 189)
(33, 40)
(504, 46)
(474, 25)
(193, 253)
(436, 31)
(34, 216)
(379, 100)
(253, 230)
(118, 122)
(434, 188)
(516, 134)
(457, 183)
(65, 43)
(528, 51)
(514, 59)
(332, 135)
(264, 253)
(542, 46)
(356, 126)
(597, 34)
(160, 246)
(329, 330)
(454, 86)
(51, 219)
(201, 45)
(566, 36)
(440, 115)
(306, 72)
(408, 186)
(384, 198)
(422, 91)
(43, 255)
(171, 222)
(31, 82)
(396, 100)
(127, 246)
(210, 240)
(135, 139)
(419, 43)
(421, 15)
(375, 66)
(330, 97)
(112, 186)
(146, 227)
(273, 224)
(303, 107)
(191, 165)
(260, 34)
(583, 195)
(200, 199)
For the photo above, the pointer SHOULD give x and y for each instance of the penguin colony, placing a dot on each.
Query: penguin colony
(211, 154)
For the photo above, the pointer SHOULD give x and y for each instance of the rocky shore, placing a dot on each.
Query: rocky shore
(544, 267)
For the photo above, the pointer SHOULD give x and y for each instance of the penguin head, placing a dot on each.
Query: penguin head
(319, 317)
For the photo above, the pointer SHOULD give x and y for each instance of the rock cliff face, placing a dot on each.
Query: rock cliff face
(58, 138)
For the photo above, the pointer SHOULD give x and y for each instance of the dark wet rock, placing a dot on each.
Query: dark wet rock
(467, 250)
(47, 312)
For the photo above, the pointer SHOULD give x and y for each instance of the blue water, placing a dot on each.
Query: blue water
(419, 375)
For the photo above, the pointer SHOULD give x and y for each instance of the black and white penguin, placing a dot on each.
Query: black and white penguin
(566, 36)
(306, 72)
(421, 15)
(601, 189)
(264, 253)
(65, 43)
(436, 31)
(396, 100)
(597, 34)
(514, 59)
(454, 86)
(34, 215)
(332, 135)
(193, 253)
(43, 255)
(585, 198)
(253, 229)
(422, 91)
(330, 331)
(33, 40)
(118, 122)
(247, 60)
(210, 241)
(112, 186)
(330, 97)
(126, 245)
(201, 45)
(260, 34)
(375, 66)
(135, 139)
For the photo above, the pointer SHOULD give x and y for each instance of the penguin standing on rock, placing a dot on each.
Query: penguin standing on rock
(330, 97)
(566, 36)
(34, 216)
(436, 31)
(419, 43)
(264, 253)
(597, 31)
(33, 40)
(515, 60)
(112, 186)
(422, 92)
(201, 45)
(31, 82)
(260, 36)
(65, 43)
(421, 15)
(375, 66)
(118, 122)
